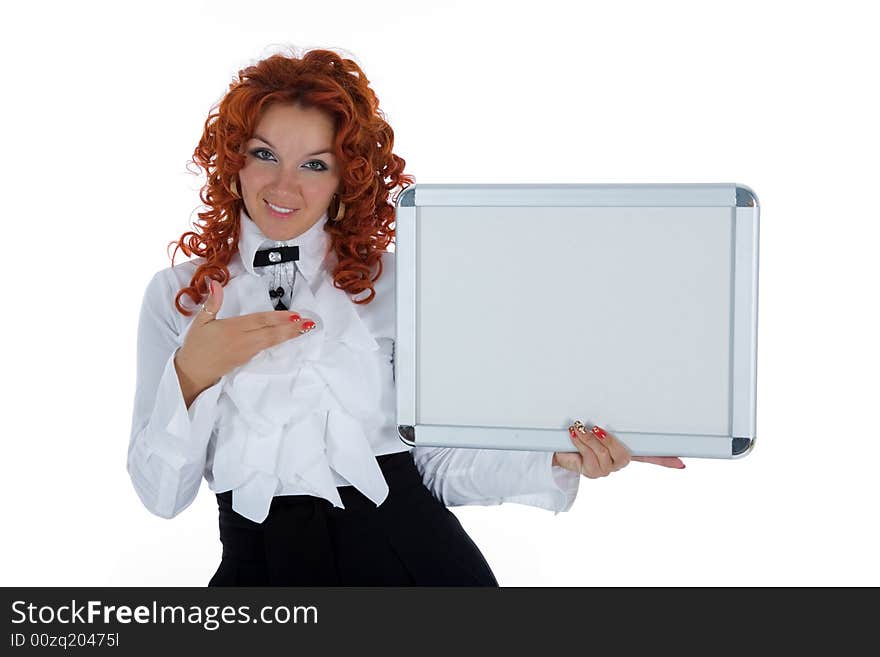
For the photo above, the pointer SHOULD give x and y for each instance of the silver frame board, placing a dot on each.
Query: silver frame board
(521, 308)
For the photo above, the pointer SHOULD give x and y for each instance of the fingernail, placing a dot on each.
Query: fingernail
(294, 317)
(308, 324)
(599, 432)
(572, 432)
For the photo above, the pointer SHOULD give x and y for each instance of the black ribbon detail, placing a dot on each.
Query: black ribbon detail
(275, 255)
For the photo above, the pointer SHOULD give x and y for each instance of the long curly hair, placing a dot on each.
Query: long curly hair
(370, 172)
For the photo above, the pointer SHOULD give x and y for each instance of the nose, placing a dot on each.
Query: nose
(288, 183)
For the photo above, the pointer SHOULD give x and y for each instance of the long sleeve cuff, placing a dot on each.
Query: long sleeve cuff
(178, 435)
(556, 488)
(462, 476)
(166, 457)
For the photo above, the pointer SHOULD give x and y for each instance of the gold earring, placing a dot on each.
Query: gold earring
(340, 212)
(234, 188)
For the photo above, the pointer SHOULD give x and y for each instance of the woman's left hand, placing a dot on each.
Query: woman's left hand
(599, 454)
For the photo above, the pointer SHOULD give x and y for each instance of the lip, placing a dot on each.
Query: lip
(278, 214)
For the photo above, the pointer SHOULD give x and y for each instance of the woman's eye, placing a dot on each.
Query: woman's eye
(259, 150)
(323, 167)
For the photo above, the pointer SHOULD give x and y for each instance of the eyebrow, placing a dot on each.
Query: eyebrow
(326, 150)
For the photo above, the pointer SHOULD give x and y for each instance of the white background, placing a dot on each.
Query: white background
(103, 105)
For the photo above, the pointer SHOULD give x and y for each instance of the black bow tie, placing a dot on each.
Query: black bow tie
(273, 256)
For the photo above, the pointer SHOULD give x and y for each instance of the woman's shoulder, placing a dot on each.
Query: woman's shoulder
(167, 282)
(178, 275)
(388, 258)
(378, 314)
(384, 285)
(388, 265)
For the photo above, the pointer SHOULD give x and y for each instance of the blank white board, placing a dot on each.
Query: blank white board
(521, 308)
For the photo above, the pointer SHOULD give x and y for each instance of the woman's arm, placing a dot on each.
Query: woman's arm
(461, 476)
(169, 437)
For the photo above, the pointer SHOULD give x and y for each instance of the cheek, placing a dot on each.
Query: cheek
(252, 178)
(323, 188)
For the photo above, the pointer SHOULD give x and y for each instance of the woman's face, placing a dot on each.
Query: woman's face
(289, 163)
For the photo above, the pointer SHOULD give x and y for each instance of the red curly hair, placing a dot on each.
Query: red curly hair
(369, 170)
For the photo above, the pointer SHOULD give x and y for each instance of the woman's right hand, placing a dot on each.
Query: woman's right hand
(214, 347)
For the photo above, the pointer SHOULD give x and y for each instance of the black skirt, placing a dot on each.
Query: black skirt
(411, 539)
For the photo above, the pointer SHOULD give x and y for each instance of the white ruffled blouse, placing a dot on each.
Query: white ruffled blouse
(307, 415)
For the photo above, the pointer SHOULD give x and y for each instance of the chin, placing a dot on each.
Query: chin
(281, 233)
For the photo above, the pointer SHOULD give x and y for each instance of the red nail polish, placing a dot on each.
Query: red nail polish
(308, 324)
(572, 432)
(294, 317)
(599, 433)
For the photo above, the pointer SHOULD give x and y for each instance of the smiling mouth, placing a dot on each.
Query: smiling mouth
(279, 209)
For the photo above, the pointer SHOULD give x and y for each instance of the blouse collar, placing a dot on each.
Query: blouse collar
(313, 245)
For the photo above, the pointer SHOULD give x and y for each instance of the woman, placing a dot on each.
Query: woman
(276, 384)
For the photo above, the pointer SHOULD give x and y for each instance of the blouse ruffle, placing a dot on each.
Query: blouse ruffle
(300, 409)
